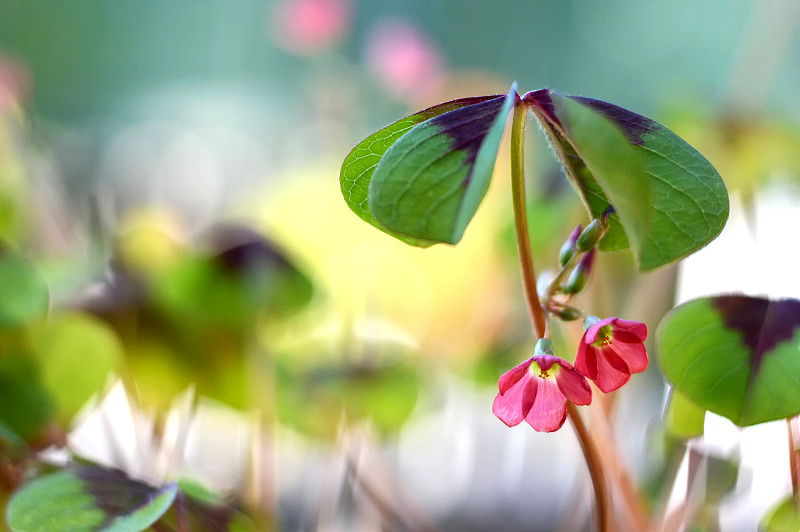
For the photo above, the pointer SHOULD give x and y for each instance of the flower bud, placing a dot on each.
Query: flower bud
(544, 347)
(591, 235)
(567, 313)
(580, 275)
(569, 247)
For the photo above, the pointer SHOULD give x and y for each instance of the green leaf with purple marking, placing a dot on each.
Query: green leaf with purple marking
(87, 499)
(360, 164)
(422, 179)
(736, 356)
(669, 200)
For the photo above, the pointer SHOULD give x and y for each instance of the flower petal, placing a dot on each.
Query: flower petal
(586, 360)
(573, 385)
(590, 336)
(512, 376)
(549, 409)
(633, 354)
(529, 393)
(636, 328)
(611, 371)
(511, 407)
(545, 361)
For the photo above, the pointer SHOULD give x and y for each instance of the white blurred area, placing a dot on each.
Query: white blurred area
(199, 439)
(756, 254)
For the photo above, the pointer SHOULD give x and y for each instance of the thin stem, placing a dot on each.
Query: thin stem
(793, 461)
(595, 466)
(537, 313)
(521, 220)
(555, 283)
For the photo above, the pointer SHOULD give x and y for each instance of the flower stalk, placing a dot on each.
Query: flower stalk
(794, 459)
(537, 312)
(521, 219)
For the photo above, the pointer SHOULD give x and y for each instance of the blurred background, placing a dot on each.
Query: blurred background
(186, 294)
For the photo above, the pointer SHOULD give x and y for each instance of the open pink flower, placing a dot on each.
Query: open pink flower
(610, 350)
(537, 391)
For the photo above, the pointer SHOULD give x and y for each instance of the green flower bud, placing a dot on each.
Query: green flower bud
(590, 236)
(580, 275)
(567, 314)
(569, 248)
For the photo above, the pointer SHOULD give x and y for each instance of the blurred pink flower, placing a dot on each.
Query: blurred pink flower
(15, 83)
(610, 350)
(402, 58)
(537, 391)
(307, 27)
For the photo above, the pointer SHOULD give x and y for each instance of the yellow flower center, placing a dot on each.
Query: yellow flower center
(536, 370)
(603, 337)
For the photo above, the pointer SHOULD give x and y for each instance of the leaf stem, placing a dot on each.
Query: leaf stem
(521, 219)
(537, 312)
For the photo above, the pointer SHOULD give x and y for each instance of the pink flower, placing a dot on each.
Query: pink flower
(403, 58)
(537, 391)
(307, 27)
(610, 350)
(15, 83)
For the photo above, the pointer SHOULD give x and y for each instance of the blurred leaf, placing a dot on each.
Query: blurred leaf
(314, 400)
(25, 404)
(246, 274)
(736, 356)
(87, 498)
(204, 511)
(10, 441)
(159, 373)
(722, 474)
(197, 491)
(359, 166)
(784, 517)
(431, 180)
(76, 353)
(214, 365)
(196, 290)
(25, 296)
(684, 419)
(149, 247)
(272, 282)
(669, 199)
(709, 480)
(13, 186)
(751, 149)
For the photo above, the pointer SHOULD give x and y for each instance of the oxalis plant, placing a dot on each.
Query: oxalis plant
(421, 180)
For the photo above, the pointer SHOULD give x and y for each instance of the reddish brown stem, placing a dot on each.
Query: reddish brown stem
(537, 313)
(595, 465)
(794, 462)
(521, 220)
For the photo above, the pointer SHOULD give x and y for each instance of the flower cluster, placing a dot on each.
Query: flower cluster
(538, 389)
